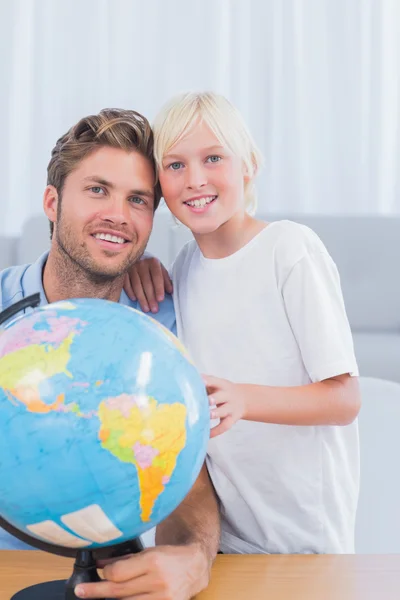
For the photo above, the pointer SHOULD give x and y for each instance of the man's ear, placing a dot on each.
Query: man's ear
(50, 203)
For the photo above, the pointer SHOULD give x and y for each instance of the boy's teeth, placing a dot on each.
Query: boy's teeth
(200, 202)
(109, 238)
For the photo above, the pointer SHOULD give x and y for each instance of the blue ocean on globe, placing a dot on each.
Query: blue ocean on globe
(104, 423)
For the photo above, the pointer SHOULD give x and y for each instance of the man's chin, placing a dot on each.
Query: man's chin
(107, 272)
(112, 269)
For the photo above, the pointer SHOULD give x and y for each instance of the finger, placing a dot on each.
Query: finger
(128, 288)
(167, 280)
(125, 570)
(112, 589)
(222, 427)
(148, 288)
(103, 562)
(158, 279)
(217, 398)
(212, 382)
(222, 412)
(102, 589)
(139, 292)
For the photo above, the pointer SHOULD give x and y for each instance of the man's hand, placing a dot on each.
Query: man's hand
(147, 281)
(228, 402)
(160, 573)
(179, 567)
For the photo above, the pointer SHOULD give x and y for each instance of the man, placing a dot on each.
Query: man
(100, 201)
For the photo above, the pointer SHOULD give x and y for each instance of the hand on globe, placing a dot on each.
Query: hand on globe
(227, 401)
(160, 573)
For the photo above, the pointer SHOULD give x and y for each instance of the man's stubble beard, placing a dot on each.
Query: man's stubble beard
(77, 260)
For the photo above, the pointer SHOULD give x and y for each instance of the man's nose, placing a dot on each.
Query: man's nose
(196, 177)
(116, 211)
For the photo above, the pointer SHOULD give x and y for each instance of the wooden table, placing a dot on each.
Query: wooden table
(357, 577)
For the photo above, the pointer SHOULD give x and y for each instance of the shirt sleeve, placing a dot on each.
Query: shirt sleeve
(315, 308)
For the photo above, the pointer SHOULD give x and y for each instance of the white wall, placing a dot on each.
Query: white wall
(316, 80)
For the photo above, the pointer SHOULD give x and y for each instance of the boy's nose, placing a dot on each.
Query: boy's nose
(196, 178)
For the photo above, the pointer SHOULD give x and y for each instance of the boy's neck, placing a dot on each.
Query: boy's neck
(64, 279)
(229, 237)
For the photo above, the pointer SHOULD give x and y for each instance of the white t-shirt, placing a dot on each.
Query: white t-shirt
(273, 314)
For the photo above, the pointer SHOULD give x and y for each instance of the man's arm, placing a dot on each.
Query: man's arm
(195, 521)
(179, 566)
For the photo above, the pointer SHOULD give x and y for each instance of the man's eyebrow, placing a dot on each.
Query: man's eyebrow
(100, 180)
(146, 193)
(96, 179)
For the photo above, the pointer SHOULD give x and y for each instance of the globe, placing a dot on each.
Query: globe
(104, 423)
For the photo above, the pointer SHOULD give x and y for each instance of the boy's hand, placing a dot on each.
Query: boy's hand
(229, 400)
(147, 281)
(160, 573)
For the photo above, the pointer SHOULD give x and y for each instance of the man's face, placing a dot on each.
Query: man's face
(104, 219)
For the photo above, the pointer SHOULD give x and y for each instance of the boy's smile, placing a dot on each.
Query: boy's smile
(199, 204)
(202, 180)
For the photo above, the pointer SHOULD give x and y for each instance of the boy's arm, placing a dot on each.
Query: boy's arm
(334, 401)
(179, 566)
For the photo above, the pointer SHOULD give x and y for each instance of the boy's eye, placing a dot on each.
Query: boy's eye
(213, 159)
(175, 166)
(97, 189)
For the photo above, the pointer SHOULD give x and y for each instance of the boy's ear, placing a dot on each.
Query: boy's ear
(249, 176)
(246, 175)
(50, 203)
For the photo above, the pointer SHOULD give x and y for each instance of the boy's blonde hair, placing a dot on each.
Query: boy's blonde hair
(182, 112)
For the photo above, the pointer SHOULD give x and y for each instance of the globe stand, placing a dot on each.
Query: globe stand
(85, 571)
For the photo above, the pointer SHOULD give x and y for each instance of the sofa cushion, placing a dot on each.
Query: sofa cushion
(378, 355)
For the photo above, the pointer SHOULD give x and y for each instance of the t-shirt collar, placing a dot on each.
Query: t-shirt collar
(33, 282)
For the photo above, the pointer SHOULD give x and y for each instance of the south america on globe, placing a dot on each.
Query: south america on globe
(104, 423)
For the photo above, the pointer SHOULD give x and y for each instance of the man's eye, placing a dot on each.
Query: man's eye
(213, 159)
(97, 190)
(137, 200)
(175, 166)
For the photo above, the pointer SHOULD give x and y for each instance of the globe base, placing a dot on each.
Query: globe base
(52, 590)
(84, 572)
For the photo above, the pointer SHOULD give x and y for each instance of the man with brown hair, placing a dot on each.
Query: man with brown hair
(100, 200)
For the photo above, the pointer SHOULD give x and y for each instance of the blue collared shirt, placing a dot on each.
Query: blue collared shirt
(22, 281)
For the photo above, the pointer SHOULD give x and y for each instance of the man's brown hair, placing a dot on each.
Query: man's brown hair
(113, 127)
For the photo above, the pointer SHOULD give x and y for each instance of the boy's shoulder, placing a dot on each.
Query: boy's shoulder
(293, 241)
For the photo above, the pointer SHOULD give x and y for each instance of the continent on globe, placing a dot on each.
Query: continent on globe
(148, 435)
(48, 348)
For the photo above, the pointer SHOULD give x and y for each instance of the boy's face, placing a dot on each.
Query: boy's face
(202, 181)
(110, 193)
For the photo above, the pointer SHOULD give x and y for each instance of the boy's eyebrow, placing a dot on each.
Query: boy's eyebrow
(102, 181)
(208, 149)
